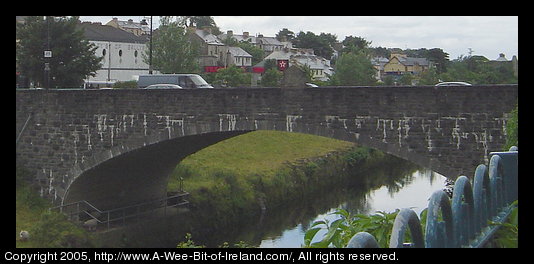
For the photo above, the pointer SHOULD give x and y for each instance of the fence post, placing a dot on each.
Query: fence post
(495, 175)
(439, 232)
(406, 218)
(363, 240)
(463, 206)
(481, 190)
(509, 162)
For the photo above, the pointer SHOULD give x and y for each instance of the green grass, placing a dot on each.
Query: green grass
(27, 214)
(228, 179)
(260, 152)
(46, 229)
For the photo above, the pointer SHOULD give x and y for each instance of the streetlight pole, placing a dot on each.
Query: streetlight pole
(47, 54)
(150, 55)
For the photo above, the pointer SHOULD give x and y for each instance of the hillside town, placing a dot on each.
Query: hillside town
(123, 47)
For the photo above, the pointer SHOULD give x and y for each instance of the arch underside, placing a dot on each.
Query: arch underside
(142, 174)
(139, 175)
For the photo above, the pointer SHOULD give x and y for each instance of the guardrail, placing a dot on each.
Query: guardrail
(83, 211)
(464, 221)
(23, 128)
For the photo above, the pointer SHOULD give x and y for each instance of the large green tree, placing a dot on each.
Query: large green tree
(72, 59)
(172, 50)
(356, 44)
(320, 44)
(354, 69)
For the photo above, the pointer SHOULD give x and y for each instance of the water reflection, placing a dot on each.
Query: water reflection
(393, 185)
(412, 191)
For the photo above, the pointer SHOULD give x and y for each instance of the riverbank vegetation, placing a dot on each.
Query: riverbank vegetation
(265, 171)
(243, 175)
(46, 229)
(380, 224)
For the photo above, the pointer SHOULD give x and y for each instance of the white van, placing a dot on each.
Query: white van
(182, 80)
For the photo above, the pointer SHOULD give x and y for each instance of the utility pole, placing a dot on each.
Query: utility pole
(150, 55)
(47, 54)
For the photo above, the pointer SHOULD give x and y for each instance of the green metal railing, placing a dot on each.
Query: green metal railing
(83, 211)
(464, 221)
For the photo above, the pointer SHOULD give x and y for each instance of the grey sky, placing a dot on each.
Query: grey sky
(485, 35)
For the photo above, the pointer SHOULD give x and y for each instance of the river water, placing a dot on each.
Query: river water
(403, 185)
(421, 184)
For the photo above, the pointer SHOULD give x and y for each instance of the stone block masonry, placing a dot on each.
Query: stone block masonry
(73, 135)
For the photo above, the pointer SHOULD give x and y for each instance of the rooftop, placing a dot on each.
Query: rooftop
(99, 32)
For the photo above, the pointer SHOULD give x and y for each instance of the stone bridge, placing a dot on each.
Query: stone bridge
(117, 147)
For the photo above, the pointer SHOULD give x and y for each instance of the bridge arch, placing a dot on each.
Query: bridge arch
(74, 135)
(114, 178)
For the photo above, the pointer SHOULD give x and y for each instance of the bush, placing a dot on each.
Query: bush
(357, 156)
(511, 130)
(340, 231)
(126, 84)
(55, 231)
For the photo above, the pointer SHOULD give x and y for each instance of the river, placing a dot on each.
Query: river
(421, 184)
(381, 189)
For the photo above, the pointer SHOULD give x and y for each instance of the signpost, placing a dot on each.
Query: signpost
(282, 64)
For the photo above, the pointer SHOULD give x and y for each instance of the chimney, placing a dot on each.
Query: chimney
(229, 33)
(260, 35)
(245, 34)
(130, 21)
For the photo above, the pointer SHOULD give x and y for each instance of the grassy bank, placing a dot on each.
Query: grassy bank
(47, 229)
(262, 169)
(261, 152)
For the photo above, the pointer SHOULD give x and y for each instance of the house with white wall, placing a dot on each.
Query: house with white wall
(121, 52)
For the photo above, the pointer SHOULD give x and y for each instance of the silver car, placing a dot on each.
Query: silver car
(163, 86)
(453, 84)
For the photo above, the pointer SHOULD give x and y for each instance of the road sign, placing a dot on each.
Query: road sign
(48, 54)
(282, 64)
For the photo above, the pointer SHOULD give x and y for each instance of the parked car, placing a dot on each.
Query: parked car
(453, 84)
(163, 86)
(182, 80)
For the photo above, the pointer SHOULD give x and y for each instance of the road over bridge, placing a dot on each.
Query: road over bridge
(117, 147)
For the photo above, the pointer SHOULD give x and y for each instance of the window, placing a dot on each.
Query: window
(120, 53)
(135, 53)
(103, 52)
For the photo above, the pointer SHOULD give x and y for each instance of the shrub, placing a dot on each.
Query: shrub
(511, 130)
(54, 230)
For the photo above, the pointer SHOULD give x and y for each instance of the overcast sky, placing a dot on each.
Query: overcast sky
(485, 35)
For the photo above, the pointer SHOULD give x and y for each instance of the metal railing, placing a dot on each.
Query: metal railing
(464, 221)
(23, 128)
(82, 211)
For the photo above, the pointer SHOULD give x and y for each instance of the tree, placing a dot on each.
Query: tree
(428, 77)
(286, 35)
(172, 51)
(73, 57)
(355, 44)
(354, 69)
(439, 58)
(271, 78)
(479, 70)
(320, 45)
(199, 22)
(257, 53)
(232, 76)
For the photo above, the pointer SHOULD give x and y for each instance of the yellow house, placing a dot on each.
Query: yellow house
(400, 64)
